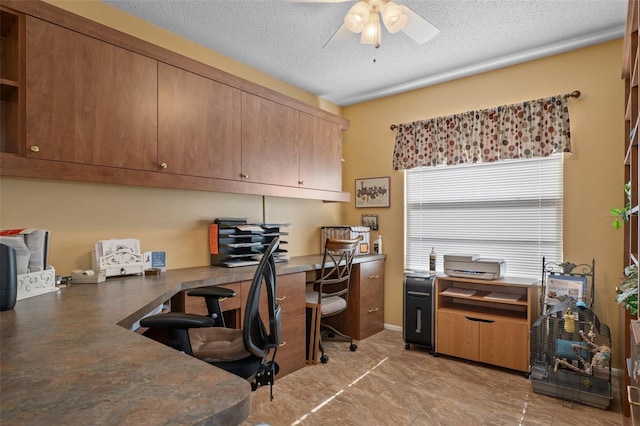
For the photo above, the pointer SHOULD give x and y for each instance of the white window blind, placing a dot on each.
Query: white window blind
(509, 210)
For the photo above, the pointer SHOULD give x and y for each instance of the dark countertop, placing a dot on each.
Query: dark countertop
(68, 357)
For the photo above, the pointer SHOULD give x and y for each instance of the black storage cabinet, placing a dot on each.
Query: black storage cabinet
(418, 320)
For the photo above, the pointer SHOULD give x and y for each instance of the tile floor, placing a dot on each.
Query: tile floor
(382, 383)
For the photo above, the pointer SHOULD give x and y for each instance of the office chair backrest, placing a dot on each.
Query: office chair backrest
(257, 339)
(336, 265)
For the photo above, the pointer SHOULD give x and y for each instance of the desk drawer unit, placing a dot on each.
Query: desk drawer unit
(290, 289)
(365, 311)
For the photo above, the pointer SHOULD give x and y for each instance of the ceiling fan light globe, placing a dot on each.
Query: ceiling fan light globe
(371, 32)
(357, 17)
(394, 17)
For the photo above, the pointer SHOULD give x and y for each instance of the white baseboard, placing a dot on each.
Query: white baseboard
(392, 327)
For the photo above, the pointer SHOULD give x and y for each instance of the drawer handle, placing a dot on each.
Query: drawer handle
(34, 148)
(280, 299)
(244, 175)
(222, 299)
(629, 389)
(373, 277)
(164, 165)
(374, 310)
(479, 320)
(282, 344)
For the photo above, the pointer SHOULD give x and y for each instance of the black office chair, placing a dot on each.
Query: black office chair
(243, 352)
(331, 288)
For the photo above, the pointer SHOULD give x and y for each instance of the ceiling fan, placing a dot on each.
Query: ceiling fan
(365, 16)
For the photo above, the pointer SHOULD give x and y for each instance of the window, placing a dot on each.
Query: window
(509, 210)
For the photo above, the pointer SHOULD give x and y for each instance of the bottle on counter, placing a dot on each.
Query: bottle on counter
(432, 262)
(377, 245)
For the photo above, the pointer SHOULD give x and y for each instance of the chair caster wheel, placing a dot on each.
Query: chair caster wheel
(407, 346)
(324, 359)
(353, 347)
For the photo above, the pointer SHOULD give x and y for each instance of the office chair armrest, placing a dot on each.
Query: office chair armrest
(212, 292)
(177, 320)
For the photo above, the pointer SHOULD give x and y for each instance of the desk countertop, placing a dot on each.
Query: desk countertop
(68, 357)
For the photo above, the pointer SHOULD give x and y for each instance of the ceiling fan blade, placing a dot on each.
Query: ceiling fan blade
(339, 38)
(418, 28)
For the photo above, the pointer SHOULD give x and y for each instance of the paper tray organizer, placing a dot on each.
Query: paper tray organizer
(36, 283)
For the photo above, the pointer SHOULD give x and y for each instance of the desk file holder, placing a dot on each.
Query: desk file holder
(233, 242)
(121, 262)
(36, 283)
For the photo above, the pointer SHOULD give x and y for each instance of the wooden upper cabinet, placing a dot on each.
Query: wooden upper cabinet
(320, 153)
(198, 125)
(88, 101)
(269, 142)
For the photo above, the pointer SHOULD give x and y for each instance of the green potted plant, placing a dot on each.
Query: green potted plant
(620, 215)
(628, 290)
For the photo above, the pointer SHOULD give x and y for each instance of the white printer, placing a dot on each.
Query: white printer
(472, 266)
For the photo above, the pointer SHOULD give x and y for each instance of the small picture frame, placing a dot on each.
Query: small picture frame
(372, 192)
(370, 220)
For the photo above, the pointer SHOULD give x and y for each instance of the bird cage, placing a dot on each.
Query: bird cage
(571, 355)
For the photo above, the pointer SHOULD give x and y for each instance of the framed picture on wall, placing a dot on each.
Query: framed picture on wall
(370, 220)
(373, 192)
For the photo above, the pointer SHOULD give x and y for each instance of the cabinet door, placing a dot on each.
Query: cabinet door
(88, 101)
(269, 142)
(198, 125)
(371, 315)
(320, 153)
(505, 344)
(457, 335)
(291, 354)
(371, 276)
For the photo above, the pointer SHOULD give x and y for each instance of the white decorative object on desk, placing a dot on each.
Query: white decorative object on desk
(122, 262)
(37, 283)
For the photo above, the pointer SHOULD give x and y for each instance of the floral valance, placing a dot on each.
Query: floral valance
(537, 128)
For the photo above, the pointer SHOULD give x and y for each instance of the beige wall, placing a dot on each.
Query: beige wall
(593, 174)
(79, 214)
(176, 221)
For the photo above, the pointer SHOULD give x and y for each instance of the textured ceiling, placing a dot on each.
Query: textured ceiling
(285, 39)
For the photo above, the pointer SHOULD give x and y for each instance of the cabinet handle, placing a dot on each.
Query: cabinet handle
(629, 389)
(373, 277)
(479, 320)
(282, 344)
(34, 148)
(280, 299)
(164, 165)
(222, 299)
(244, 175)
(300, 182)
(373, 310)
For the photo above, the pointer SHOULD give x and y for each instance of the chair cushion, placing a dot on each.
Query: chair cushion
(217, 344)
(329, 305)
